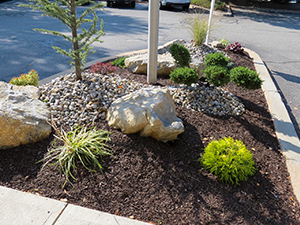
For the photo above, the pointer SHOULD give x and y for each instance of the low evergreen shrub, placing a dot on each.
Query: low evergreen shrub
(181, 55)
(229, 160)
(184, 75)
(217, 75)
(216, 59)
(245, 77)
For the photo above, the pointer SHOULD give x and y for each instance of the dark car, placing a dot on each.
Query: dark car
(113, 3)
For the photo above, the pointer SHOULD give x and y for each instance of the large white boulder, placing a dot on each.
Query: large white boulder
(150, 111)
(138, 64)
(23, 118)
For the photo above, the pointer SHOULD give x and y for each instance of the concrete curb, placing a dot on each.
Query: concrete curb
(285, 130)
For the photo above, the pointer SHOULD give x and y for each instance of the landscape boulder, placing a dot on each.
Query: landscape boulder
(23, 118)
(150, 111)
(138, 64)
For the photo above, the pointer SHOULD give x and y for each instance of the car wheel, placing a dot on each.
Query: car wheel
(161, 7)
(186, 7)
(109, 4)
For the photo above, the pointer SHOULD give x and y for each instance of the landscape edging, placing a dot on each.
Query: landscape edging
(284, 128)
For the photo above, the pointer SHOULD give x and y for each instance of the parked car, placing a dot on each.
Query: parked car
(114, 3)
(185, 4)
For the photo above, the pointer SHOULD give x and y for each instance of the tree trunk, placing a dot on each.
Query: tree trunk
(75, 41)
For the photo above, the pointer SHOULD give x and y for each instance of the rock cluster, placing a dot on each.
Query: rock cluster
(74, 102)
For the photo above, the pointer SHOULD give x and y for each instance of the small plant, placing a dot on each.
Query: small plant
(217, 75)
(224, 42)
(103, 68)
(120, 62)
(236, 48)
(216, 59)
(245, 77)
(79, 145)
(229, 160)
(31, 78)
(181, 55)
(198, 28)
(184, 75)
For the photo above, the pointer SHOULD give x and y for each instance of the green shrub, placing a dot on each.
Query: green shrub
(79, 145)
(198, 28)
(219, 5)
(181, 55)
(120, 62)
(217, 75)
(31, 78)
(245, 77)
(184, 75)
(216, 59)
(229, 160)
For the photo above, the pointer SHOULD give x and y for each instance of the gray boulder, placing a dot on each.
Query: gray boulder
(138, 64)
(150, 111)
(23, 118)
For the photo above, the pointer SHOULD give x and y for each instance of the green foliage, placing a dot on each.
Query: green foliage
(120, 62)
(198, 27)
(184, 75)
(181, 55)
(65, 11)
(31, 78)
(224, 42)
(229, 160)
(245, 77)
(216, 59)
(217, 75)
(219, 5)
(79, 145)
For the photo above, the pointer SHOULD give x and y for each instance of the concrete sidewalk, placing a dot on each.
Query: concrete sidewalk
(19, 208)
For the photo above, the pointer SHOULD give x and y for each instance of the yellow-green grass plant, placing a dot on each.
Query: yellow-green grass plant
(80, 145)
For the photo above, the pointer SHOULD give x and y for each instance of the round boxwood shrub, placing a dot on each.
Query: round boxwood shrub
(245, 77)
(216, 59)
(229, 160)
(181, 55)
(217, 75)
(184, 75)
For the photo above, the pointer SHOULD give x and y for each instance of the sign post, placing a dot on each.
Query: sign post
(153, 22)
(212, 6)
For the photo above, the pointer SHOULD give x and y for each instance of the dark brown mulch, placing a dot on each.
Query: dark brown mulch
(163, 182)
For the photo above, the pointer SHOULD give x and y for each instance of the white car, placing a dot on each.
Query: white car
(185, 4)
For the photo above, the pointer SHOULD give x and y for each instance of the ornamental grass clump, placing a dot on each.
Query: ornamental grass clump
(198, 28)
(184, 75)
(31, 78)
(246, 78)
(80, 145)
(229, 160)
(181, 55)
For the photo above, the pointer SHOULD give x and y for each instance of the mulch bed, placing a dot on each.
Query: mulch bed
(162, 182)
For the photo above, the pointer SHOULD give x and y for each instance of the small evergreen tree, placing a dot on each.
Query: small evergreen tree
(65, 11)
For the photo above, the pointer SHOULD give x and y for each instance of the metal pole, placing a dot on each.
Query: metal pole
(153, 21)
(212, 6)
